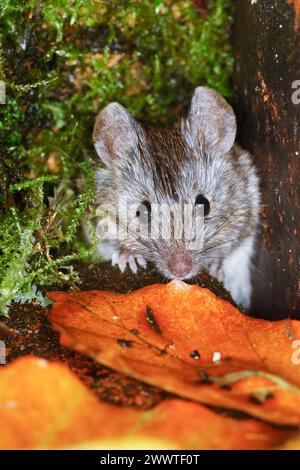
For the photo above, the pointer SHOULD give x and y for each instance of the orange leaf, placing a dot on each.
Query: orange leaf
(44, 406)
(187, 341)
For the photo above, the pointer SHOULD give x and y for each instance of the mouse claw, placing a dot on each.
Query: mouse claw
(114, 259)
(132, 264)
(122, 262)
(141, 261)
(122, 259)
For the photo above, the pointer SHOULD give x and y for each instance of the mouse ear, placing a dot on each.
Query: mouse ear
(115, 133)
(211, 122)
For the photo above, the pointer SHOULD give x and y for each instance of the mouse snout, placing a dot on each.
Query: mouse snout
(179, 266)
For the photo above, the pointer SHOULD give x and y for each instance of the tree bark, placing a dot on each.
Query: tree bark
(267, 50)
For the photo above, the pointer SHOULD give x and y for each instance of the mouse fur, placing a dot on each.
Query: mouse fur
(172, 166)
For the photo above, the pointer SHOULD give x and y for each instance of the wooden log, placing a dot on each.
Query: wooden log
(267, 97)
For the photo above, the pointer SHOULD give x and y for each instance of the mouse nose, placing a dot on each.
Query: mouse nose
(180, 266)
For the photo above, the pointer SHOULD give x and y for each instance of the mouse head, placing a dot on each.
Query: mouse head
(190, 164)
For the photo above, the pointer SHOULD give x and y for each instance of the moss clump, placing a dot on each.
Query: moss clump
(61, 61)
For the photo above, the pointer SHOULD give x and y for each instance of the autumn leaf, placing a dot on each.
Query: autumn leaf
(187, 341)
(296, 6)
(44, 406)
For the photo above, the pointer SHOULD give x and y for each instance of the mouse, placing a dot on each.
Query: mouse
(193, 163)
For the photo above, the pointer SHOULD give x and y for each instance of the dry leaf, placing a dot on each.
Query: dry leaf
(44, 406)
(185, 340)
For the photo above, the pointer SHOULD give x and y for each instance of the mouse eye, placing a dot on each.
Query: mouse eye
(201, 200)
(143, 212)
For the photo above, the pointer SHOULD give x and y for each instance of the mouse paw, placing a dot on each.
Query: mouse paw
(124, 258)
(217, 272)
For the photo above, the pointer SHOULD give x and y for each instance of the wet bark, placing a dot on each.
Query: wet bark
(267, 49)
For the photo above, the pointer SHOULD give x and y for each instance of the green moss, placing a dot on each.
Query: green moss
(61, 61)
